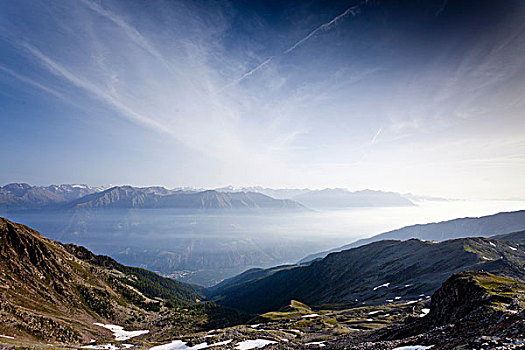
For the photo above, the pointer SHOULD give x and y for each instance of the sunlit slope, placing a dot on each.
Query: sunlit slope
(54, 292)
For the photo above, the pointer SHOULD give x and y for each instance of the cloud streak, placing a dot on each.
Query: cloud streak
(327, 26)
(129, 30)
(376, 135)
(30, 81)
(93, 90)
(353, 10)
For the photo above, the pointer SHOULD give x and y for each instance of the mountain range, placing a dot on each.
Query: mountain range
(20, 196)
(334, 197)
(485, 226)
(159, 197)
(24, 196)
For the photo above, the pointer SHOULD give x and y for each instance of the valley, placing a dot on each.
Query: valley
(209, 244)
(64, 294)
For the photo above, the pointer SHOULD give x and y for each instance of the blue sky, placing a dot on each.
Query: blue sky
(422, 97)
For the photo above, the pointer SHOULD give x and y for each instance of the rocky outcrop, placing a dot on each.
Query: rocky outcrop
(471, 310)
(463, 294)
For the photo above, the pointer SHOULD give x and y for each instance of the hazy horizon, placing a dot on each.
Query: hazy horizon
(421, 196)
(403, 97)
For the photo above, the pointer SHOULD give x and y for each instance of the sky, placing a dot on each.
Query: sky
(425, 97)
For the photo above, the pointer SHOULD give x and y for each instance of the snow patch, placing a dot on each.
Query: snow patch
(253, 344)
(492, 244)
(119, 333)
(383, 285)
(174, 345)
(6, 336)
(310, 315)
(513, 248)
(101, 347)
(180, 345)
(374, 312)
(319, 343)
(424, 312)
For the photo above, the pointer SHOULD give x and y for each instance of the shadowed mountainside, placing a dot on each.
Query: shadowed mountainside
(371, 274)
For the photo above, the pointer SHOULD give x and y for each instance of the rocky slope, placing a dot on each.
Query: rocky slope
(470, 310)
(371, 274)
(56, 293)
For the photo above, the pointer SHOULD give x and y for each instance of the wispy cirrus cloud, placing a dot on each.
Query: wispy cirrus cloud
(353, 10)
(92, 89)
(174, 69)
(32, 82)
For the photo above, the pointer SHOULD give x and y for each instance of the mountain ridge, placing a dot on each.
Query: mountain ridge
(484, 226)
(372, 273)
(155, 198)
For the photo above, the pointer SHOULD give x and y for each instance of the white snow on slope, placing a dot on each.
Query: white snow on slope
(174, 345)
(310, 315)
(101, 347)
(119, 333)
(254, 344)
(319, 343)
(383, 285)
(180, 345)
(424, 312)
